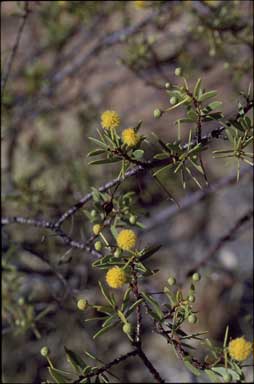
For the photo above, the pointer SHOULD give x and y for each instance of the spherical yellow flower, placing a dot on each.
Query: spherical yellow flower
(62, 4)
(212, 3)
(140, 4)
(116, 277)
(126, 239)
(110, 120)
(130, 137)
(97, 229)
(239, 349)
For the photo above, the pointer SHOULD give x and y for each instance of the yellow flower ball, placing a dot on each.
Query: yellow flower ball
(239, 349)
(130, 137)
(116, 277)
(140, 4)
(110, 120)
(97, 229)
(126, 239)
(212, 3)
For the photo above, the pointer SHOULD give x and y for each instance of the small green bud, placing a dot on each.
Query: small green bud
(127, 328)
(200, 28)
(82, 304)
(173, 100)
(226, 65)
(167, 85)
(171, 281)
(117, 252)
(17, 322)
(157, 113)
(98, 245)
(93, 213)
(196, 276)
(191, 298)
(21, 301)
(178, 71)
(212, 52)
(133, 219)
(97, 229)
(227, 378)
(23, 323)
(192, 319)
(151, 39)
(44, 351)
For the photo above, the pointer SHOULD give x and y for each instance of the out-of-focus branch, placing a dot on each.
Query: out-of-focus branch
(15, 47)
(155, 221)
(112, 39)
(229, 236)
(106, 367)
(187, 202)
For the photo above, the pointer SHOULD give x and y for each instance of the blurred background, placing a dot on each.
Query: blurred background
(63, 64)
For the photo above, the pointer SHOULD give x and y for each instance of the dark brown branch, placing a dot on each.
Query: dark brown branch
(150, 366)
(106, 367)
(150, 224)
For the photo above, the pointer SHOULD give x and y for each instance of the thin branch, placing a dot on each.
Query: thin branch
(150, 224)
(15, 47)
(109, 40)
(150, 366)
(26, 220)
(167, 213)
(229, 236)
(106, 367)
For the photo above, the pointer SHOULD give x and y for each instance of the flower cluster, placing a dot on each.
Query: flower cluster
(140, 4)
(110, 120)
(116, 277)
(130, 137)
(126, 239)
(239, 349)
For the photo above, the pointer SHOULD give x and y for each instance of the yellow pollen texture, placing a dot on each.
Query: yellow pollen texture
(116, 277)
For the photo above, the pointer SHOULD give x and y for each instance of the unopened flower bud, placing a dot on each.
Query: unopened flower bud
(178, 71)
(171, 281)
(192, 319)
(97, 229)
(44, 351)
(173, 100)
(82, 304)
(157, 113)
(117, 252)
(133, 219)
(21, 301)
(98, 246)
(191, 299)
(196, 276)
